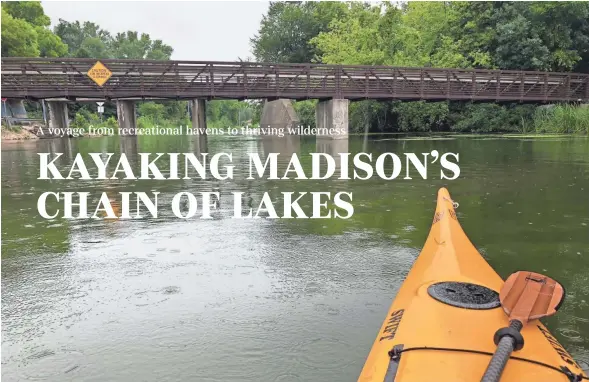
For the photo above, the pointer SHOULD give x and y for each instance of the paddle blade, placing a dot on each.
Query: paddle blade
(527, 296)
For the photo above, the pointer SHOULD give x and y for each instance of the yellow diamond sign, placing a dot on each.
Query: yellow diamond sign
(99, 73)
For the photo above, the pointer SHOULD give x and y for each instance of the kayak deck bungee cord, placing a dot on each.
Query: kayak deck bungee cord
(443, 322)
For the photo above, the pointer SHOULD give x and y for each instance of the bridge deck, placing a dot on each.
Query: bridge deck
(66, 77)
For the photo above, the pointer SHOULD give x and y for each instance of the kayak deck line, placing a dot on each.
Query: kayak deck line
(452, 333)
(395, 355)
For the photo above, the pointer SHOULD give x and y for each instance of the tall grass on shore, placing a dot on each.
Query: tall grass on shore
(562, 119)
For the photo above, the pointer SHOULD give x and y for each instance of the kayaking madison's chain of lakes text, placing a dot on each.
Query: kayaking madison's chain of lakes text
(185, 166)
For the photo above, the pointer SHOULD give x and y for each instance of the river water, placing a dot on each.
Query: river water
(268, 300)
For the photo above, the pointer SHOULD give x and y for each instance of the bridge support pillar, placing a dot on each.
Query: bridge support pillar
(198, 111)
(278, 115)
(58, 115)
(332, 119)
(126, 116)
(14, 108)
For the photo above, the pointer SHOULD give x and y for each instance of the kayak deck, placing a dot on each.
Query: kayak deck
(444, 342)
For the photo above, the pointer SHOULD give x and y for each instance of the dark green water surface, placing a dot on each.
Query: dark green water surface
(268, 300)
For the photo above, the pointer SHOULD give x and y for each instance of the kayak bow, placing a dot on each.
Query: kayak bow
(441, 325)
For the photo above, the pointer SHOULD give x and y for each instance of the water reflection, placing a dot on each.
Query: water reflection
(198, 144)
(129, 145)
(333, 147)
(285, 146)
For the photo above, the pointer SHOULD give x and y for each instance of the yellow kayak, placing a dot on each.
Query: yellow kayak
(441, 325)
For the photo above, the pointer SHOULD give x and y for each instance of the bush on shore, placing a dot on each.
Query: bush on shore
(562, 119)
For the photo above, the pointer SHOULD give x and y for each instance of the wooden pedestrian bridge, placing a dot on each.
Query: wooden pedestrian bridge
(67, 78)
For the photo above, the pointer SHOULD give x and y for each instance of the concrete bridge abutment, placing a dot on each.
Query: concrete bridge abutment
(14, 108)
(127, 117)
(198, 111)
(280, 115)
(58, 115)
(331, 119)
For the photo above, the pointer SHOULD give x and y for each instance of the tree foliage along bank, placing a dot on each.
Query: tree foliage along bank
(550, 36)
(26, 33)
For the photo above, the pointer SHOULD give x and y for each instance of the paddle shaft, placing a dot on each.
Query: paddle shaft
(504, 349)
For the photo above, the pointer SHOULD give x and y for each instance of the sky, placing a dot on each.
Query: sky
(200, 31)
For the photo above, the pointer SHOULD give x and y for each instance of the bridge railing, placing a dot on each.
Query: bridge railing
(48, 78)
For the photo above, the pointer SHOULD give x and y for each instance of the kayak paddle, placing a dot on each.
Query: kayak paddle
(525, 296)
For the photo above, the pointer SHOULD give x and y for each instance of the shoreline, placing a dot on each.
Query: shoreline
(25, 134)
(18, 135)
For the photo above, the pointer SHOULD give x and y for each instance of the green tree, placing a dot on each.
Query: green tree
(84, 40)
(306, 112)
(285, 32)
(88, 40)
(419, 34)
(564, 29)
(228, 113)
(354, 39)
(421, 116)
(159, 51)
(424, 37)
(19, 38)
(131, 45)
(508, 35)
(25, 33)
(29, 11)
(92, 47)
(154, 111)
(50, 45)
(523, 35)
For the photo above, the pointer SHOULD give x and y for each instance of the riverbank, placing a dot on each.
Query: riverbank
(18, 133)
(26, 133)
